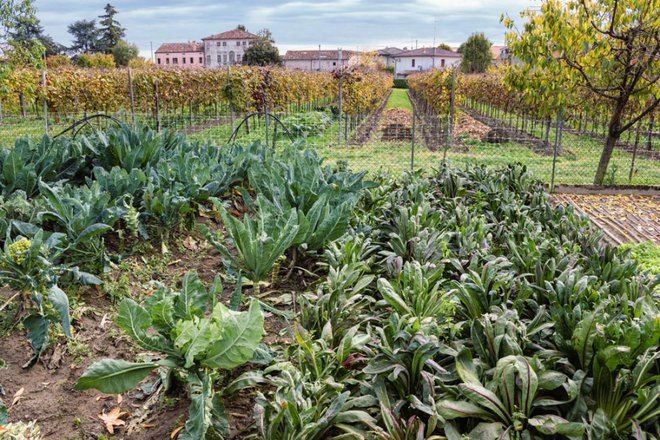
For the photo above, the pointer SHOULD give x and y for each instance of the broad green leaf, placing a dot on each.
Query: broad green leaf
(36, 327)
(192, 298)
(554, 425)
(240, 334)
(135, 321)
(114, 376)
(60, 302)
(456, 409)
(198, 412)
(486, 399)
(487, 431)
(194, 337)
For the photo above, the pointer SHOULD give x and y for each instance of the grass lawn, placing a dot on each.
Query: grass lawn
(399, 99)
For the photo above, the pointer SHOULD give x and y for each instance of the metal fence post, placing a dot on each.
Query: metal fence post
(554, 153)
(452, 96)
(43, 84)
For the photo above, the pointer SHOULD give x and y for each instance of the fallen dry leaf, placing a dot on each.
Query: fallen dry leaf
(148, 425)
(119, 399)
(112, 419)
(176, 432)
(190, 243)
(17, 396)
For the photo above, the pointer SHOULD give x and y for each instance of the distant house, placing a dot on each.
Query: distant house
(499, 54)
(227, 48)
(188, 55)
(319, 60)
(388, 55)
(425, 58)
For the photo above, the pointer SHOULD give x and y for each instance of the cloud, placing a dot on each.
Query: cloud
(351, 24)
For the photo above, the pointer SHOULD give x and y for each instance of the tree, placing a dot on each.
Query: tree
(28, 29)
(609, 49)
(261, 51)
(124, 52)
(15, 14)
(445, 46)
(110, 30)
(476, 54)
(85, 36)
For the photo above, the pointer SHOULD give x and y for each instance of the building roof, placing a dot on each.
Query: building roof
(390, 51)
(429, 52)
(496, 50)
(302, 55)
(191, 46)
(234, 34)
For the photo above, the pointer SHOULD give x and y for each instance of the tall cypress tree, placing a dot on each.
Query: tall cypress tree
(110, 29)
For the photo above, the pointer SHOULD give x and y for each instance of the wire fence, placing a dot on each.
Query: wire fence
(395, 139)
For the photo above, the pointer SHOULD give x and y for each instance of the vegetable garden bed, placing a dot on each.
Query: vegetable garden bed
(249, 293)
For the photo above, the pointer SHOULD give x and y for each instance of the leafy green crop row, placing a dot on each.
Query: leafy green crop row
(464, 304)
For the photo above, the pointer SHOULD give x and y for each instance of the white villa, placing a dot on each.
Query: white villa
(227, 48)
(223, 49)
(319, 60)
(425, 58)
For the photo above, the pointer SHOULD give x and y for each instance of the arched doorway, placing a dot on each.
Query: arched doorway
(232, 57)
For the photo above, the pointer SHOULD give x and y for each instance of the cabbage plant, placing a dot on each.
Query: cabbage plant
(187, 340)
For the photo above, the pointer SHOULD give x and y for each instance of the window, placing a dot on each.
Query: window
(183, 60)
(225, 59)
(217, 44)
(167, 61)
(192, 60)
(413, 62)
(158, 60)
(219, 59)
(238, 43)
(175, 60)
(334, 63)
(238, 58)
(200, 60)
(244, 43)
(208, 60)
(224, 43)
(442, 63)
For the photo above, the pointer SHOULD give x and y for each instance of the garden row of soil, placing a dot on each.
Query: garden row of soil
(506, 132)
(366, 127)
(623, 218)
(432, 128)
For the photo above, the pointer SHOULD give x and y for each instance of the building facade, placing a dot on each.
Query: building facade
(185, 55)
(227, 48)
(425, 58)
(388, 56)
(319, 60)
(223, 49)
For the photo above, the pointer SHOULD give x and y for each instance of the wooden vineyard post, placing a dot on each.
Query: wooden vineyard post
(131, 96)
(43, 84)
(340, 103)
(157, 107)
(412, 137)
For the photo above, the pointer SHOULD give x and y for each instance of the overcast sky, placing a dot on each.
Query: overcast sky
(350, 24)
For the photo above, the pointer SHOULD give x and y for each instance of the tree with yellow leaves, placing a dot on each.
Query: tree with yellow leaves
(608, 48)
